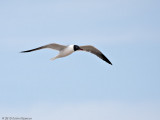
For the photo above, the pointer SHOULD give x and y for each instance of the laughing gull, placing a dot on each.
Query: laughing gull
(67, 50)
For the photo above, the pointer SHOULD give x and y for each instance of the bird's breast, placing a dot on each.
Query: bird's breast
(67, 51)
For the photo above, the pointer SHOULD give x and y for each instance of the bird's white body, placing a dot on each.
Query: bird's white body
(65, 52)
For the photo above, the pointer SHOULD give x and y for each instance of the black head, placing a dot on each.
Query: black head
(76, 47)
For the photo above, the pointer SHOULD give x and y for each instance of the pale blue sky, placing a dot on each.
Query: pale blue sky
(80, 86)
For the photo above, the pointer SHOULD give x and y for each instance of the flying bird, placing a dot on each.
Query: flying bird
(69, 49)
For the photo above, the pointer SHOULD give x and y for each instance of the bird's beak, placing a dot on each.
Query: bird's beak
(80, 49)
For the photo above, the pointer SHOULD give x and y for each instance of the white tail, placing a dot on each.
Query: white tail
(53, 58)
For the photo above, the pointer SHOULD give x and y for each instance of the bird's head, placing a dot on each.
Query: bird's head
(76, 47)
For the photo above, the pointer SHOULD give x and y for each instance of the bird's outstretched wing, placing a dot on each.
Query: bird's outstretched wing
(92, 49)
(52, 46)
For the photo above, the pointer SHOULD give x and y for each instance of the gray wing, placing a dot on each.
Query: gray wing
(95, 51)
(52, 46)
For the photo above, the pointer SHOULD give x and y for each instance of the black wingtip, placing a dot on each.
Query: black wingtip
(110, 63)
(23, 52)
(106, 59)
